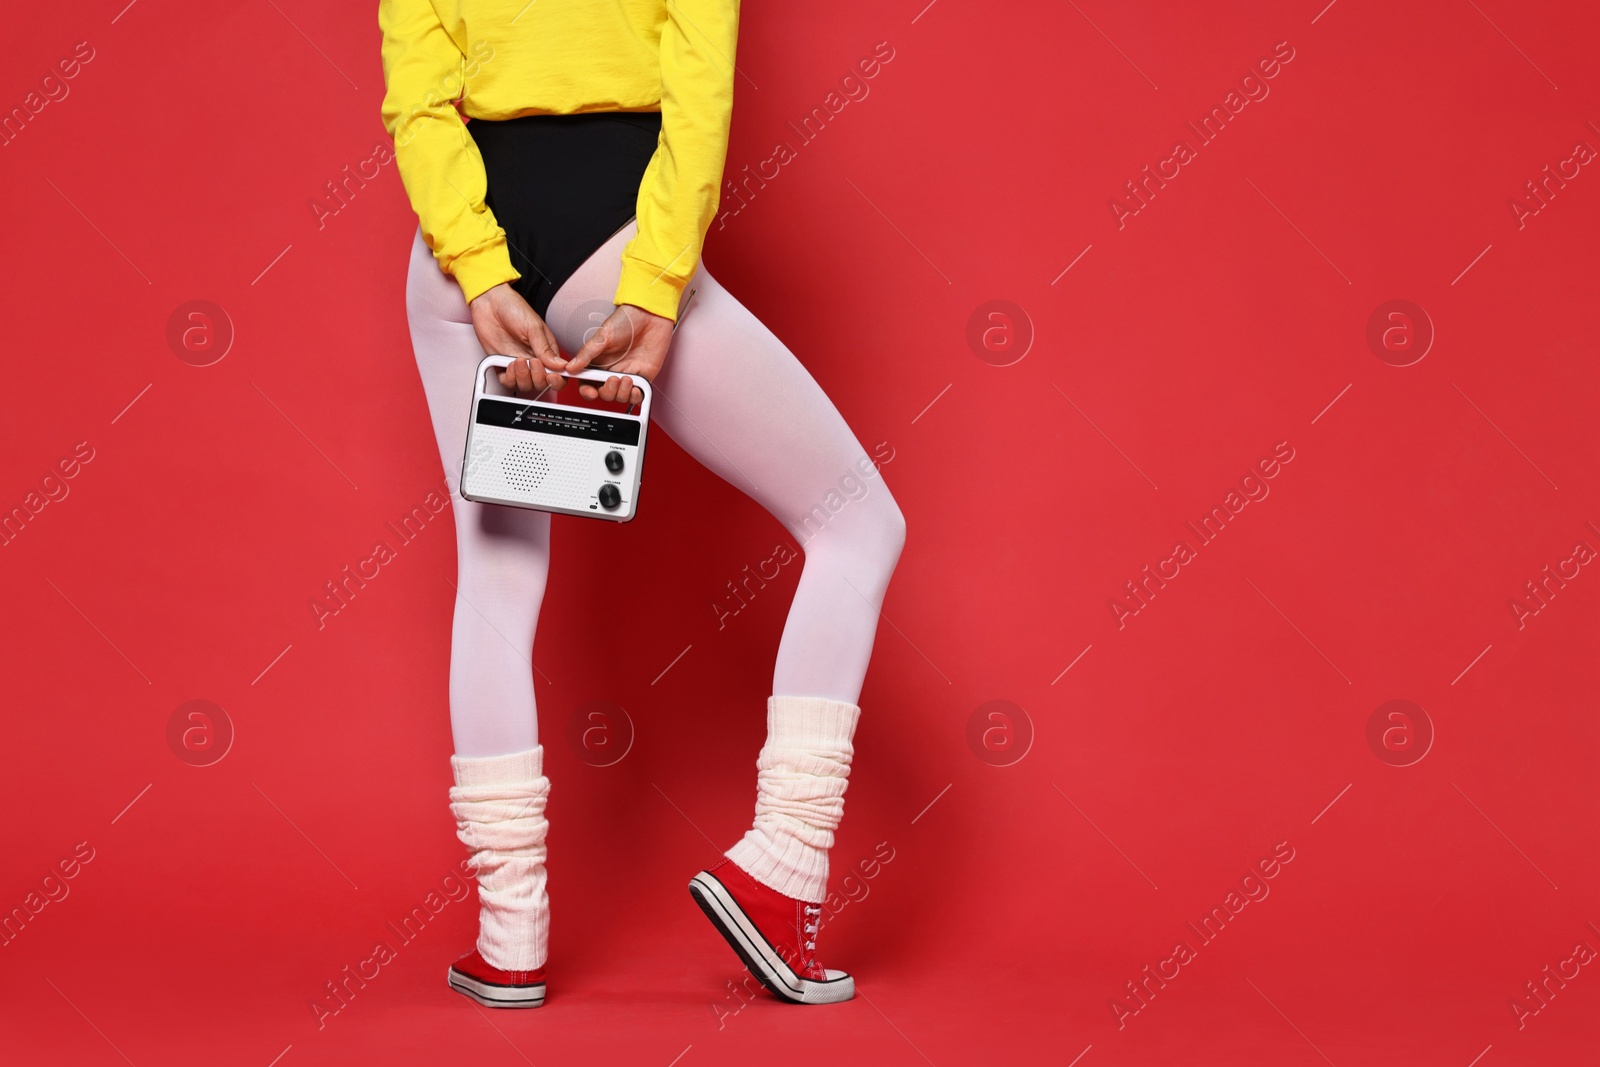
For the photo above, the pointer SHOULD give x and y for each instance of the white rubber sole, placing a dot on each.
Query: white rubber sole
(496, 996)
(758, 954)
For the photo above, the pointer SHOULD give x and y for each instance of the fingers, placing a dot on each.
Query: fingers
(528, 376)
(586, 355)
(599, 341)
(516, 376)
(543, 344)
(598, 392)
(499, 343)
(607, 345)
(615, 390)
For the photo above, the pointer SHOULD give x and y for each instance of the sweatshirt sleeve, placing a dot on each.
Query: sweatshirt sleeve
(443, 173)
(679, 193)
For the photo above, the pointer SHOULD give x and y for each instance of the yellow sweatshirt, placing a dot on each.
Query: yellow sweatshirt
(501, 59)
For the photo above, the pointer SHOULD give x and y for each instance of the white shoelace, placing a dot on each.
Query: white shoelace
(811, 929)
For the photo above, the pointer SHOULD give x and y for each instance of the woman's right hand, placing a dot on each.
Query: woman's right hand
(507, 325)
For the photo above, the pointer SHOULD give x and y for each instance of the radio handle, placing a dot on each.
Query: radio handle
(590, 374)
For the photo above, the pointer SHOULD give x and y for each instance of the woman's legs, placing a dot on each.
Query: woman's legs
(502, 560)
(738, 401)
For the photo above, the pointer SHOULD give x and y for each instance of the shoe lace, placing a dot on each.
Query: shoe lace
(810, 928)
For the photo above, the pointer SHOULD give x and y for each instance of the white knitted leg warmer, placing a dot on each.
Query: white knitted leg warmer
(498, 803)
(802, 773)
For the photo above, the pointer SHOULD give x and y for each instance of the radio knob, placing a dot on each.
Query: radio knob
(614, 462)
(610, 497)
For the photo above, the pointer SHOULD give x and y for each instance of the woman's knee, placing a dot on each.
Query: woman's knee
(502, 552)
(507, 598)
(891, 523)
(871, 536)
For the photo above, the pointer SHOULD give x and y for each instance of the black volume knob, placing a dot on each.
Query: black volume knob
(614, 462)
(610, 497)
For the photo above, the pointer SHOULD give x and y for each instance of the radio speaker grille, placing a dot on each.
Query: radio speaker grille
(525, 465)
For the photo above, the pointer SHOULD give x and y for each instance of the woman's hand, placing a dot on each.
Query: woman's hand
(630, 341)
(506, 325)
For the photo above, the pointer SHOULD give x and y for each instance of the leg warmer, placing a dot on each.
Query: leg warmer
(802, 773)
(498, 803)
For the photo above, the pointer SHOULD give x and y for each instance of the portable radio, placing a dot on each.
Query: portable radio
(553, 457)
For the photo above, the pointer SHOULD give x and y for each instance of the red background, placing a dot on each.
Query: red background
(1230, 714)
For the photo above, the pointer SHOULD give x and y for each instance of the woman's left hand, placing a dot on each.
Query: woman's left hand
(630, 341)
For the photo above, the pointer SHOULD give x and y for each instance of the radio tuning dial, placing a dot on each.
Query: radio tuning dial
(609, 496)
(614, 462)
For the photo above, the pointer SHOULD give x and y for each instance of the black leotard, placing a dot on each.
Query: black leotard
(561, 185)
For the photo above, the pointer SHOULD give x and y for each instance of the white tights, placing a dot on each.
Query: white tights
(733, 397)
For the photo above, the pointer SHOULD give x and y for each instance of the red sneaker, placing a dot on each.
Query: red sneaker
(473, 977)
(775, 935)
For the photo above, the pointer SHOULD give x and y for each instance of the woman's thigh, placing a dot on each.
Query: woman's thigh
(447, 353)
(735, 398)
